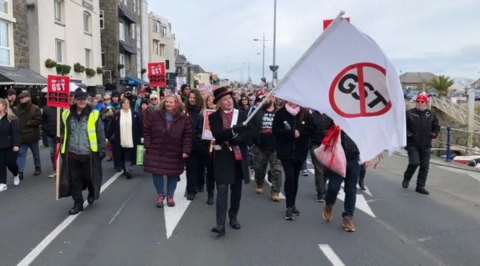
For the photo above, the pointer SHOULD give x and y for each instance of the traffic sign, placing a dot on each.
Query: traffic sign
(156, 74)
(58, 91)
(360, 90)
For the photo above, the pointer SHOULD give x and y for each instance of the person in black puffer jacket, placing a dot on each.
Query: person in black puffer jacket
(195, 161)
(352, 155)
(49, 126)
(292, 127)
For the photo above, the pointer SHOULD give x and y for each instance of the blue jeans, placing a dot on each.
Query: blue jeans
(350, 188)
(51, 147)
(22, 155)
(304, 166)
(160, 184)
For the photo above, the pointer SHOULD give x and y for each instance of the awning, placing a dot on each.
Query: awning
(135, 81)
(20, 76)
(125, 48)
(125, 14)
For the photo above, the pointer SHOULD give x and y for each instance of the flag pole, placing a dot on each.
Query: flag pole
(299, 61)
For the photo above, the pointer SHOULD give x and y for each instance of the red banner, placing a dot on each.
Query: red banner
(58, 91)
(327, 22)
(156, 74)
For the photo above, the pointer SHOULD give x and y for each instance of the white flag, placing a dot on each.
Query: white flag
(346, 75)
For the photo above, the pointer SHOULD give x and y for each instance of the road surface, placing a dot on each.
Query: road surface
(395, 226)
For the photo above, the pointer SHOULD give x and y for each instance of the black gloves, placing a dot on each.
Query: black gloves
(239, 129)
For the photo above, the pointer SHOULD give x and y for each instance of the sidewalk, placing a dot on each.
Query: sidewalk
(441, 162)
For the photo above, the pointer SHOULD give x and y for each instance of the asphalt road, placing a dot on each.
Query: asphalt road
(125, 228)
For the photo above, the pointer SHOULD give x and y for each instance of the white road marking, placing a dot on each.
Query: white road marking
(50, 237)
(173, 215)
(331, 255)
(121, 208)
(270, 184)
(473, 175)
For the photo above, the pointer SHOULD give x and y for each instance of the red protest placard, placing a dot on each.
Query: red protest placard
(156, 74)
(58, 91)
(327, 22)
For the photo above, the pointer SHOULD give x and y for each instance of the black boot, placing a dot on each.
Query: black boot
(90, 198)
(361, 177)
(77, 208)
(20, 175)
(422, 190)
(361, 184)
(190, 196)
(210, 198)
(295, 211)
(405, 183)
(235, 224)
(219, 229)
(38, 171)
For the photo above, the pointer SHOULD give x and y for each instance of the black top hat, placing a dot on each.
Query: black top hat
(220, 92)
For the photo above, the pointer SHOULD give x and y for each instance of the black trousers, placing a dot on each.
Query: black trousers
(291, 168)
(195, 171)
(363, 171)
(117, 154)
(210, 175)
(235, 196)
(126, 155)
(8, 159)
(418, 156)
(80, 178)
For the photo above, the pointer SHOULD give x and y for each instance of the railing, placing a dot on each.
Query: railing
(454, 110)
(454, 139)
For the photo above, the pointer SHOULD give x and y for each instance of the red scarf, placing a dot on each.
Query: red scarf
(227, 121)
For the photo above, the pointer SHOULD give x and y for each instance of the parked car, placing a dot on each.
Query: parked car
(432, 93)
(412, 96)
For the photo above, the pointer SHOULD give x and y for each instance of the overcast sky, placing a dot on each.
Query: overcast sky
(442, 37)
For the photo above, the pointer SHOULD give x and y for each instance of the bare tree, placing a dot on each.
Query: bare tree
(464, 82)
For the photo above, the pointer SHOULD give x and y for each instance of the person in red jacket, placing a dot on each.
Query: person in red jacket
(168, 142)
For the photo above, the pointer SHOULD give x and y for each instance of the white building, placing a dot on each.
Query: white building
(145, 36)
(161, 42)
(6, 33)
(67, 32)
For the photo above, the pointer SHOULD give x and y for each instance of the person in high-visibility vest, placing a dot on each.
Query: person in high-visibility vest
(83, 149)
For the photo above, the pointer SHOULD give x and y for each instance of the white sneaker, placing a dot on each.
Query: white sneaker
(3, 187)
(52, 175)
(16, 180)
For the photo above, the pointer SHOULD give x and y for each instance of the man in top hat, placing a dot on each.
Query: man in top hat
(229, 156)
(81, 154)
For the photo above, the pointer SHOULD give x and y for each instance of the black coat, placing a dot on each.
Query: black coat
(224, 159)
(196, 118)
(9, 133)
(49, 121)
(113, 131)
(419, 126)
(287, 146)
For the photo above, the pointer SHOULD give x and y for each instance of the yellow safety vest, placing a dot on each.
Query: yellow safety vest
(91, 130)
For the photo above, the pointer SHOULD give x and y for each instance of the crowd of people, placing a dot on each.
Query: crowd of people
(273, 146)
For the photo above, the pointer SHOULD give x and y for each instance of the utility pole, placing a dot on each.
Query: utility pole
(263, 54)
(274, 67)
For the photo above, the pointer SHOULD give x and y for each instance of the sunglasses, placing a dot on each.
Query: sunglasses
(420, 101)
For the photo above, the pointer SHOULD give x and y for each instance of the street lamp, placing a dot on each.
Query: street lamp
(263, 61)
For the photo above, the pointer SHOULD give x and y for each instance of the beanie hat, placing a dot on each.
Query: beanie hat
(153, 95)
(422, 97)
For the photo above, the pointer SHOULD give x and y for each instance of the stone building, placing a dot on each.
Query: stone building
(20, 33)
(121, 35)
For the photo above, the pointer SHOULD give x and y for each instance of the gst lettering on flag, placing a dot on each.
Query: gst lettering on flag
(355, 84)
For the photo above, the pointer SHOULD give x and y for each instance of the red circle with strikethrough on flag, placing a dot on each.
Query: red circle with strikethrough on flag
(360, 90)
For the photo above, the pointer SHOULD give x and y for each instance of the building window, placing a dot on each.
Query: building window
(163, 31)
(86, 22)
(87, 58)
(125, 2)
(162, 50)
(132, 30)
(59, 51)
(139, 63)
(121, 31)
(122, 62)
(4, 44)
(4, 6)
(102, 19)
(139, 37)
(58, 10)
(156, 26)
(134, 6)
(103, 57)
